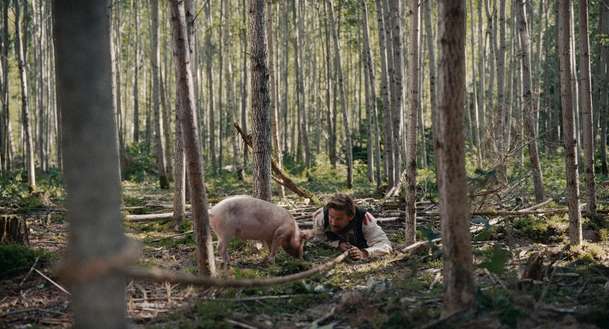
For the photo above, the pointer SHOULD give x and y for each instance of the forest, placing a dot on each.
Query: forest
(304, 164)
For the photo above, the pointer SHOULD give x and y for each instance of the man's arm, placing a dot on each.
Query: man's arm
(377, 240)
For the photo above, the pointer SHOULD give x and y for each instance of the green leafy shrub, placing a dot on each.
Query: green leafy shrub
(139, 162)
(17, 259)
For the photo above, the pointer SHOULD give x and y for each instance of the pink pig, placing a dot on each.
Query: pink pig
(248, 218)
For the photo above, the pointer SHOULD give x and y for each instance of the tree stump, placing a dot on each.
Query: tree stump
(13, 230)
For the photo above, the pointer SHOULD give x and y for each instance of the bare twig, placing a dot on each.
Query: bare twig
(325, 317)
(240, 324)
(29, 272)
(53, 282)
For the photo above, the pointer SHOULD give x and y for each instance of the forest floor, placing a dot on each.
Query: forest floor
(526, 275)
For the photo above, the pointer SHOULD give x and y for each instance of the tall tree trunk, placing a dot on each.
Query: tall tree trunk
(136, 70)
(500, 121)
(25, 114)
(368, 124)
(284, 72)
(156, 106)
(538, 59)
(261, 132)
(179, 196)
(374, 139)
(482, 85)
(330, 87)
(575, 84)
(386, 109)
(81, 31)
(42, 110)
(343, 100)
(604, 80)
(586, 105)
(115, 46)
(299, 67)
(450, 148)
(566, 96)
(397, 91)
(244, 96)
(231, 106)
(5, 142)
(185, 88)
(432, 68)
(529, 110)
(210, 85)
(411, 149)
(222, 66)
(491, 32)
(166, 124)
(277, 154)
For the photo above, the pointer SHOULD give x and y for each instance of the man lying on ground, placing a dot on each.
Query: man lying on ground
(342, 225)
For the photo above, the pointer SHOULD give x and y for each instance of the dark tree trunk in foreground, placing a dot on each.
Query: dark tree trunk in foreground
(192, 147)
(90, 153)
(454, 203)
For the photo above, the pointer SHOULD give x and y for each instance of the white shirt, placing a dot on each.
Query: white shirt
(378, 243)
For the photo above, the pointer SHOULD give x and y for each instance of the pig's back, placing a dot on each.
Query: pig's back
(247, 218)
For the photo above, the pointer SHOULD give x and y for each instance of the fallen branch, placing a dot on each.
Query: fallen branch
(518, 212)
(255, 298)
(240, 324)
(53, 282)
(146, 217)
(281, 177)
(162, 275)
(309, 224)
(539, 205)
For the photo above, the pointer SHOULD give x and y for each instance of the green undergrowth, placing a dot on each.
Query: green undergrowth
(552, 229)
(18, 259)
(15, 193)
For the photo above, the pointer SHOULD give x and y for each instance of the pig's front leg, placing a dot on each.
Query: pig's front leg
(278, 238)
(273, 249)
(223, 250)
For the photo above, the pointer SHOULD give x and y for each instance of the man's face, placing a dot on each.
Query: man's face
(338, 219)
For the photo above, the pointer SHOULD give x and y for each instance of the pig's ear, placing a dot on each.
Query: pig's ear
(306, 234)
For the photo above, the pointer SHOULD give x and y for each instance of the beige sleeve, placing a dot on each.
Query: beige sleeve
(378, 242)
(318, 229)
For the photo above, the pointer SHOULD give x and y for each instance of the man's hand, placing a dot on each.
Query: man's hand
(358, 254)
(368, 218)
(344, 246)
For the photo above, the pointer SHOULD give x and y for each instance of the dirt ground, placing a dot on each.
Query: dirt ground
(525, 279)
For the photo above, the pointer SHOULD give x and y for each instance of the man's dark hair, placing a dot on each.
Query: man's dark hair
(342, 202)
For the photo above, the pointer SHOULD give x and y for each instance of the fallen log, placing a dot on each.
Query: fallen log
(147, 217)
(309, 224)
(161, 275)
(279, 176)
